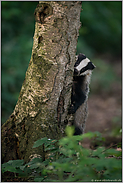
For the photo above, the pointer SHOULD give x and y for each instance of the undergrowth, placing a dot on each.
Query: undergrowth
(68, 161)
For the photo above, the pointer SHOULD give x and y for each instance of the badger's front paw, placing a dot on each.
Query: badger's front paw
(71, 109)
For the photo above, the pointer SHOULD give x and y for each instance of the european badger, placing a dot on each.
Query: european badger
(80, 89)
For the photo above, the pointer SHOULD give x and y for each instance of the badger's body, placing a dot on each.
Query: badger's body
(80, 89)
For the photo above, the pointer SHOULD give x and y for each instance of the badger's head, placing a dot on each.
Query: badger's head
(83, 66)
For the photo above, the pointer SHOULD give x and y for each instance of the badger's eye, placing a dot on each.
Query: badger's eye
(76, 64)
(76, 72)
(83, 69)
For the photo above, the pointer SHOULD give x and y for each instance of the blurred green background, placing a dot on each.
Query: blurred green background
(99, 39)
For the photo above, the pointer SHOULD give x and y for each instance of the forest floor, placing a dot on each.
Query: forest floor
(105, 117)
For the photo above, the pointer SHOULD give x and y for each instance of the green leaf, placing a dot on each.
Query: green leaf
(113, 152)
(35, 163)
(8, 168)
(39, 179)
(14, 163)
(63, 141)
(35, 160)
(92, 134)
(44, 141)
(50, 142)
(40, 142)
(71, 139)
(51, 147)
(69, 130)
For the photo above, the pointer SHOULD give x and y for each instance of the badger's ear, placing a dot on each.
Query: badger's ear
(91, 66)
(81, 57)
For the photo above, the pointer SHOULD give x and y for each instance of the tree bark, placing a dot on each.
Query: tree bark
(42, 107)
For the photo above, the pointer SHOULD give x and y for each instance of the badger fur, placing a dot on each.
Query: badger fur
(80, 89)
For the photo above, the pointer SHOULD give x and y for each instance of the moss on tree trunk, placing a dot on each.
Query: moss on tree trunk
(41, 110)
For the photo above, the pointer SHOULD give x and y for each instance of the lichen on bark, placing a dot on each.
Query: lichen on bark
(48, 77)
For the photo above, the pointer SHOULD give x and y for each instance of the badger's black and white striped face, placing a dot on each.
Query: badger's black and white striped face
(83, 66)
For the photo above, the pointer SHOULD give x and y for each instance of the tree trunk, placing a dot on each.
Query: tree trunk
(41, 110)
